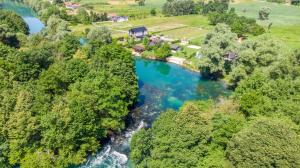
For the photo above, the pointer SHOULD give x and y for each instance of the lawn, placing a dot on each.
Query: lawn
(122, 7)
(189, 27)
(289, 34)
(281, 14)
(285, 19)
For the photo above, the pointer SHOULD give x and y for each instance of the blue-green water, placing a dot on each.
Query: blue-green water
(29, 16)
(162, 86)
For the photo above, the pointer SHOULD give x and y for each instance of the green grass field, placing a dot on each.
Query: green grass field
(281, 14)
(192, 27)
(285, 19)
(123, 7)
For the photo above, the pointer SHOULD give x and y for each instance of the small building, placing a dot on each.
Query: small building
(138, 32)
(175, 48)
(138, 49)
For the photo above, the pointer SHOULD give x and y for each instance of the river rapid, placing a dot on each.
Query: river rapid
(161, 86)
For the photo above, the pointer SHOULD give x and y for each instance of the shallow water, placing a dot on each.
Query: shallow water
(161, 85)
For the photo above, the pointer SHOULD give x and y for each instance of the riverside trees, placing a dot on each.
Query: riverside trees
(58, 101)
(257, 126)
(11, 26)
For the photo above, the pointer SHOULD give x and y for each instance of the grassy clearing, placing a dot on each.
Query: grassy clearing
(123, 7)
(281, 14)
(192, 27)
(289, 34)
(285, 19)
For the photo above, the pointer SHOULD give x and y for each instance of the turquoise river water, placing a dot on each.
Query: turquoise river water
(162, 86)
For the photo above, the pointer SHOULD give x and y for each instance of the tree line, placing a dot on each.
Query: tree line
(217, 12)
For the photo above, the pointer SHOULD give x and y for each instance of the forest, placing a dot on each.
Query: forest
(58, 99)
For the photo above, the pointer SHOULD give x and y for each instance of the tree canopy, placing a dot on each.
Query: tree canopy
(267, 142)
(56, 108)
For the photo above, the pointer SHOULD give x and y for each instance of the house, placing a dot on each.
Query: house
(71, 5)
(138, 32)
(119, 18)
(175, 48)
(138, 49)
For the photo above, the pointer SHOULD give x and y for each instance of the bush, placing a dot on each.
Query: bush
(239, 24)
(264, 13)
(178, 7)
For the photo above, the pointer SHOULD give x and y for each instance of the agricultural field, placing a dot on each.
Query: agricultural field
(285, 19)
(122, 7)
(191, 27)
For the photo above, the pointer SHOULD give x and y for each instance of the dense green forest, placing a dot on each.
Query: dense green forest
(258, 126)
(58, 99)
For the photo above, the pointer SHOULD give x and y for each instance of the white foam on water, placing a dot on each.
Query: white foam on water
(109, 157)
(122, 158)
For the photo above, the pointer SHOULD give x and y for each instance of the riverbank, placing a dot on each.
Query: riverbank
(174, 60)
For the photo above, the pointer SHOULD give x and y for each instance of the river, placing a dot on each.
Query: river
(161, 85)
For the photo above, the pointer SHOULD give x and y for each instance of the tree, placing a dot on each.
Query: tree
(68, 46)
(267, 142)
(215, 6)
(216, 47)
(264, 13)
(56, 28)
(83, 16)
(53, 111)
(258, 53)
(165, 148)
(199, 136)
(98, 37)
(14, 22)
(178, 7)
(101, 34)
(163, 51)
(11, 25)
(153, 12)
(240, 25)
(140, 2)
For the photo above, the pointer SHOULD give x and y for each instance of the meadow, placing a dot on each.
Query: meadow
(191, 27)
(123, 7)
(285, 19)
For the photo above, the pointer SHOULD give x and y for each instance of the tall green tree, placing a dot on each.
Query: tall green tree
(267, 142)
(216, 48)
(178, 7)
